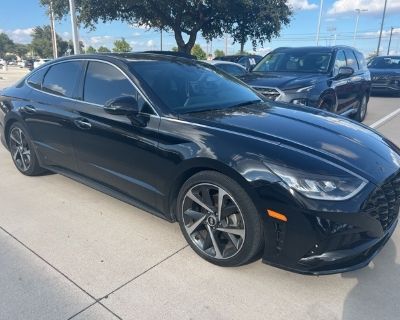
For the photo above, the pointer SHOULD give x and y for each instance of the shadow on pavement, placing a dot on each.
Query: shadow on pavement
(377, 293)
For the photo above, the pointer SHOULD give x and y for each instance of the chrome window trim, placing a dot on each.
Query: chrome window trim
(76, 100)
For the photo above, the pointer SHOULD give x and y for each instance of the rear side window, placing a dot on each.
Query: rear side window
(35, 80)
(62, 78)
(104, 82)
(351, 59)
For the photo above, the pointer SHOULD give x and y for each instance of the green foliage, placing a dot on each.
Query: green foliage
(103, 49)
(41, 43)
(198, 52)
(121, 46)
(255, 20)
(20, 50)
(10, 57)
(6, 44)
(219, 53)
(90, 49)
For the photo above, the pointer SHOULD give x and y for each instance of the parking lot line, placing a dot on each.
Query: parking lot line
(385, 119)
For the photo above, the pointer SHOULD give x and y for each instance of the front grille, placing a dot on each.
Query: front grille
(270, 93)
(384, 203)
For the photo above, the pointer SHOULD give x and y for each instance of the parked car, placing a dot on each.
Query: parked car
(308, 190)
(21, 63)
(335, 79)
(232, 68)
(385, 74)
(247, 61)
(37, 63)
(29, 64)
(2, 62)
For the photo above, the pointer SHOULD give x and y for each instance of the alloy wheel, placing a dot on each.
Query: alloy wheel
(213, 221)
(20, 150)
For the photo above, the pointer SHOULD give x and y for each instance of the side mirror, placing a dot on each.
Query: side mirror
(122, 106)
(344, 72)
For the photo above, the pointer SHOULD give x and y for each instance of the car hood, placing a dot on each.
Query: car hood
(325, 135)
(281, 80)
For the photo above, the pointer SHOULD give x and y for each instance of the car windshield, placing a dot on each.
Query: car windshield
(385, 63)
(190, 87)
(295, 61)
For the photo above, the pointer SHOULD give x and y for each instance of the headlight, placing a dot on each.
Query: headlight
(320, 187)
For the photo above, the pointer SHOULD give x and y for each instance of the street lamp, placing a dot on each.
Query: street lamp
(357, 18)
(319, 20)
(380, 33)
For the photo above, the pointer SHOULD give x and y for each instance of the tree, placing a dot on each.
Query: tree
(6, 44)
(182, 17)
(198, 52)
(121, 46)
(41, 42)
(90, 49)
(257, 20)
(20, 49)
(219, 53)
(103, 49)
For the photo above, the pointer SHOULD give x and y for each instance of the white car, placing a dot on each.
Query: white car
(2, 62)
(39, 62)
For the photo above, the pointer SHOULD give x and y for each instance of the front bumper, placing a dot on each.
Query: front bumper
(323, 238)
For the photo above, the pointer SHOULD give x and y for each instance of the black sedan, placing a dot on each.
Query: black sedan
(309, 191)
(385, 74)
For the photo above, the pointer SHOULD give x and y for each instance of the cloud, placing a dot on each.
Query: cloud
(20, 35)
(302, 5)
(136, 34)
(101, 40)
(373, 6)
(150, 43)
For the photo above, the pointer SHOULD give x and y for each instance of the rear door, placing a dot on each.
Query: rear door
(49, 113)
(355, 81)
(120, 152)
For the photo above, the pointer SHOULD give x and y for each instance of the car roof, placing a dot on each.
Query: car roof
(388, 57)
(215, 62)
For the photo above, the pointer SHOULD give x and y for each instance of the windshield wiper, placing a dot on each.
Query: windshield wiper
(242, 104)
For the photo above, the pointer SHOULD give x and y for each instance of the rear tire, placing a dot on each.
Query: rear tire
(219, 220)
(361, 112)
(22, 151)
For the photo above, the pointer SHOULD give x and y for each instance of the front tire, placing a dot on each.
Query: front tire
(219, 220)
(361, 109)
(22, 151)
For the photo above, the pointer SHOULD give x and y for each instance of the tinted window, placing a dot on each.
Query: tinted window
(295, 61)
(351, 59)
(35, 80)
(188, 87)
(340, 61)
(104, 82)
(385, 63)
(232, 69)
(62, 78)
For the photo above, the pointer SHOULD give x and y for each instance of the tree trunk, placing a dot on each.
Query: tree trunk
(242, 47)
(182, 46)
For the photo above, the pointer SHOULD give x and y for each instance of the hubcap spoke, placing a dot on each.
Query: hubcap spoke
(15, 139)
(235, 231)
(221, 195)
(218, 253)
(195, 225)
(192, 197)
(195, 215)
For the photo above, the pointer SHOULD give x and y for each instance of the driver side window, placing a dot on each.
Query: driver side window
(104, 82)
(340, 61)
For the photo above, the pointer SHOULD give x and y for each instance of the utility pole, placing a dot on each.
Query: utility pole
(357, 18)
(390, 40)
(226, 44)
(319, 19)
(160, 39)
(75, 35)
(380, 34)
(53, 31)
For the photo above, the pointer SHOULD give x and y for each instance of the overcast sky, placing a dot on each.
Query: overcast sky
(338, 18)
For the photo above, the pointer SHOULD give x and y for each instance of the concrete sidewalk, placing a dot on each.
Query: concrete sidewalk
(70, 252)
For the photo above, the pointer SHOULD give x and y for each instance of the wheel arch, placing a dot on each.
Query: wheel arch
(193, 166)
(328, 95)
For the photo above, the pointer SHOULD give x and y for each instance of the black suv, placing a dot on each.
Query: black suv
(330, 78)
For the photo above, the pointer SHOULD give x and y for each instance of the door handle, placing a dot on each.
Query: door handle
(29, 109)
(83, 124)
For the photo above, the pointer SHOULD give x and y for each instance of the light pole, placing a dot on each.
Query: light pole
(390, 40)
(160, 39)
(53, 31)
(319, 20)
(357, 18)
(380, 34)
(75, 35)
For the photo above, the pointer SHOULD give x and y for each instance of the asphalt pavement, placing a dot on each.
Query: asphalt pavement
(70, 252)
